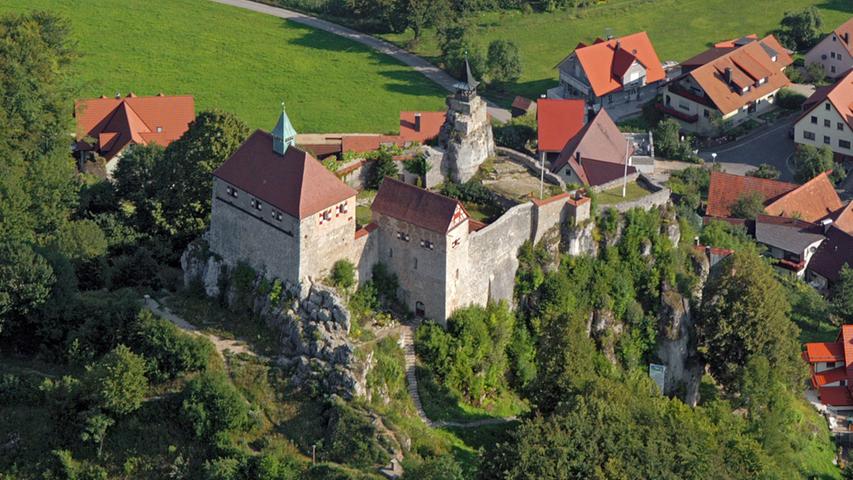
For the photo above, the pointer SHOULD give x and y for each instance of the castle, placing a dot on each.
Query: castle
(278, 209)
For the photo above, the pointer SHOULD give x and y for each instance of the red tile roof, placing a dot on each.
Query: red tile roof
(840, 95)
(365, 230)
(844, 218)
(748, 64)
(725, 189)
(835, 396)
(431, 123)
(833, 254)
(360, 143)
(295, 182)
(824, 352)
(522, 103)
(829, 376)
(603, 150)
(846, 337)
(810, 201)
(116, 122)
(604, 62)
(418, 206)
(558, 121)
(845, 30)
(736, 42)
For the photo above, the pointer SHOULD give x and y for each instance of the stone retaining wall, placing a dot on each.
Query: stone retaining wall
(530, 164)
(659, 196)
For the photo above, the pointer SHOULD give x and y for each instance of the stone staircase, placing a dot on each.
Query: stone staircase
(407, 343)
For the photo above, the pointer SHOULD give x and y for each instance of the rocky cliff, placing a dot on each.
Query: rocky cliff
(311, 321)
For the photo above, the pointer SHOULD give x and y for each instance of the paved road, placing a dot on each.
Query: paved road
(427, 69)
(764, 146)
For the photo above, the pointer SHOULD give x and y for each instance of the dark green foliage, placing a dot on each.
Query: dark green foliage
(274, 466)
(810, 161)
(351, 438)
(470, 358)
(27, 279)
(80, 240)
(690, 186)
(744, 314)
(418, 166)
(789, 99)
(388, 373)
(212, 405)
(456, 44)
(504, 62)
(722, 234)
(801, 30)
(169, 351)
(118, 381)
(748, 206)
(435, 468)
(530, 273)
(383, 166)
(668, 142)
(765, 170)
(222, 468)
(138, 269)
(386, 284)
(64, 467)
(516, 133)
(842, 295)
(343, 274)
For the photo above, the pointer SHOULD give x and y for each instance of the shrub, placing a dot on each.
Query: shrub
(136, 270)
(384, 166)
(118, 381)
(386, 284)
(789, 99)
(170, 352)
(343, 274)
(437, 468)
(765, 170)
(211, 405)
(351, 438)
(16, 389)
(516, 133)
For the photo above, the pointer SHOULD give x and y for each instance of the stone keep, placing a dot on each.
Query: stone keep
(466, 136)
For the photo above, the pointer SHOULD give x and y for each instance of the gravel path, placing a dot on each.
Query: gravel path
(427, 69)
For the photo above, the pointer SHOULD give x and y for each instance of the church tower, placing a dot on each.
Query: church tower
(283, 134)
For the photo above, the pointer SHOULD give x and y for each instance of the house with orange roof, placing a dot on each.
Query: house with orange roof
(106, 126)
(557, 122)
(835, 52)
(607, 72)
(827, 118)
(727, 84)
(831, 369)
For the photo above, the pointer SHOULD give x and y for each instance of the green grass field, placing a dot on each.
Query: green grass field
(237, 60)
(679, 29)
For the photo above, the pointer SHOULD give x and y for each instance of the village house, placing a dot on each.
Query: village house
(789, 241)
(522, 106)
(831, 369)
(557, 122)
(597, 155)
(609, 72)
(827, 118)
(727, 84)
(835, 52)
(106, 126)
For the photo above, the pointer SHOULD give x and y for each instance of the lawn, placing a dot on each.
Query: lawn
(614, 195)
(239, 61)
(678, 29)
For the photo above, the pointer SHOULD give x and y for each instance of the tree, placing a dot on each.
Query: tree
(211, 404)
(383, 166)
(456, 45)
(27, 279)
(816, 73)
(95, 426)
(802, 29)
(842, 295)
(810, 161)
(134, 175)
(80, 240)
(343, 274)
(443, 467)
(118, 381)
(182, 190)
(504, 62)
(420, 166)
(748, 205)
(667, 137)
(765, 170)
(169, 351)
(423, 13)
(744, 313)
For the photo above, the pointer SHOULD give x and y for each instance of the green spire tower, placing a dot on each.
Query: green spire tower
(283, 134)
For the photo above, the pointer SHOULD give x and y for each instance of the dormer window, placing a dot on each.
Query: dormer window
(745, 89)
(232, 192)
(257, 205)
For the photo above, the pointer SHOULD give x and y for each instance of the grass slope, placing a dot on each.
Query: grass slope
(679, 29)
(237, 60)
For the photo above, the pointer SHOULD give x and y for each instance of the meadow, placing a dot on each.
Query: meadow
(678, 29)
(236, 60)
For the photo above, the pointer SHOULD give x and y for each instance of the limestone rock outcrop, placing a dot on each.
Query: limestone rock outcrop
(466, 137)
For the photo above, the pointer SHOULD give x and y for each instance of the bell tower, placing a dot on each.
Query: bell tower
(283, 134)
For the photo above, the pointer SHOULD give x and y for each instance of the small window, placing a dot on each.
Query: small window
(416, 263)
(706, 113)
(827, 140)
(342, 208)
(844, 144)
(832, 68)
(427, 244)
(256, 204)
(276, 215)
(231, 191)
(839, 126)
(808, 135)
(456, 242)
(827, 123)
(403, 236)
(831, 54)
(823, 57)
(390, 253)
(814, 120)
(826, 106)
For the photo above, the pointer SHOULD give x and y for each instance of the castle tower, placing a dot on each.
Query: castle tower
(283, 134)
(466, 135)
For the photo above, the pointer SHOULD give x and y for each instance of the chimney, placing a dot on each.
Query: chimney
(418, 122)
(728, 75)
(118, 95)
(618, 44)
(826, 223)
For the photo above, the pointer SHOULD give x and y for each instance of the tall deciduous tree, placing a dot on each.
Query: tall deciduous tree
(744, 313)
(802, 29)
(810, 161)
(504, 62)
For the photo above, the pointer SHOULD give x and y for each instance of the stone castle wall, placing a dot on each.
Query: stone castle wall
(240, 233)
(323, 244)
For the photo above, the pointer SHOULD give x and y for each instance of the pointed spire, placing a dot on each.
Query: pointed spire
(469, 84)
(283, 134)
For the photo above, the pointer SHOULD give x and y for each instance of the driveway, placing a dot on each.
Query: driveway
(767, 145)
(430, 71)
